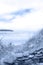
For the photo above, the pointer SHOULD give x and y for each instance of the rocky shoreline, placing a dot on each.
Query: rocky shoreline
(32, 59)
(25, 55)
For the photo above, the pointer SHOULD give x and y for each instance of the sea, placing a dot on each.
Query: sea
(15, 37)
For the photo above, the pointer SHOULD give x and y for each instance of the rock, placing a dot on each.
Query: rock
(29, 55)
(8, 59)
(35, 58)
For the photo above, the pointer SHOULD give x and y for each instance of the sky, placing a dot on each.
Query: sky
(21, 14)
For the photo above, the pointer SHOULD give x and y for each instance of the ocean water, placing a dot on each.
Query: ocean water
(16, 37)
(8, 54)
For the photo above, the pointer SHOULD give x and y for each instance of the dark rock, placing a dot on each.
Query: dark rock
(6, 30)
(6, 63)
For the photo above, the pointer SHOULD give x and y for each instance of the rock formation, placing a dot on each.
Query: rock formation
(32, 53)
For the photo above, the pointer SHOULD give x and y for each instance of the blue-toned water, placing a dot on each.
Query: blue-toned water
(31, 51)
(15, 37)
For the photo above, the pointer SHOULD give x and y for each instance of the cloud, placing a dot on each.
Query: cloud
(18, 15)
(7, 6)
(10, 16)
(32, 21)
(21, 12)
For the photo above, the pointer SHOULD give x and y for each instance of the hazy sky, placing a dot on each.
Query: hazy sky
(21, 14)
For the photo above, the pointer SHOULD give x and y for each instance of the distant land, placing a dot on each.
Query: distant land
(6, 30)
